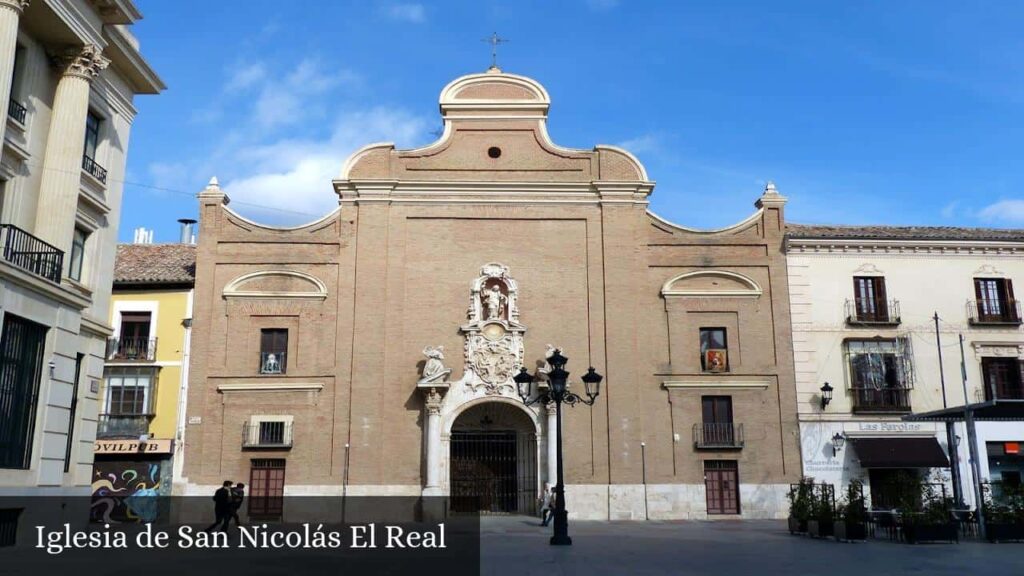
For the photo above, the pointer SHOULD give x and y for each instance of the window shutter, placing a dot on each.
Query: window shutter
(977, 289)
(881, 306)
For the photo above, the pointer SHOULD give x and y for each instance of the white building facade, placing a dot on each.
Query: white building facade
(69, 71)
(864, 301)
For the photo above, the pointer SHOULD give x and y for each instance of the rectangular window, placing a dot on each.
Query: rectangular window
(72, 412)
(995, 301)
(881, 374)
(1003, 378)
(77, 254)
(129, 391)
(714, 350)
(273, 350)
(21, 370)
(271, 433)
(133, 341)
(869, 299)
(92, 135)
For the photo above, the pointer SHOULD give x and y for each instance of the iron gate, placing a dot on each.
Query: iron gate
(494, 472)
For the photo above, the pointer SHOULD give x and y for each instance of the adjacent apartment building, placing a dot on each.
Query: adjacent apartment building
(69, 71)
(146, 373)
(864, 300)
(373, 351)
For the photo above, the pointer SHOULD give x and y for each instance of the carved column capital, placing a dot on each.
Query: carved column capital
(551, 409)
(81, 61)
(433, 401)
(18, 6)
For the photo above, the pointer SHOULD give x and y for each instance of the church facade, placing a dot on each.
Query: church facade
(373, 351)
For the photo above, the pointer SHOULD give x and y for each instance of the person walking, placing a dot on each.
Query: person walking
(237, 497)
(221, 507)
(547, 505)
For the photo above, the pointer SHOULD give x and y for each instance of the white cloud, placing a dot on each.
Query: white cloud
(245, 76)
(1011, 211)
(949, 210)
(648, 143)
(290, 179)
(407, 12)
(293, 99)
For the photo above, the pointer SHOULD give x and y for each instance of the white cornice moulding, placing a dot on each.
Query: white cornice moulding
(711, 383)
(270, 387)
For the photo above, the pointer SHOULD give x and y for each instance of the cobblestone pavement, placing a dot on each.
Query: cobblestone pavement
(518, 545)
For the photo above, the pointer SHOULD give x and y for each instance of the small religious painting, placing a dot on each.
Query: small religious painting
(715, 360)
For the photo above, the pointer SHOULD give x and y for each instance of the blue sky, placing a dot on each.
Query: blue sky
(861, 112)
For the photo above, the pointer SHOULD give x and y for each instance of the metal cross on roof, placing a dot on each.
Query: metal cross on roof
(494, 40)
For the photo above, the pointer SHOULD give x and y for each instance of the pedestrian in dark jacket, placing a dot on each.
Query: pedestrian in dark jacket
(237, 497)
(221, 507)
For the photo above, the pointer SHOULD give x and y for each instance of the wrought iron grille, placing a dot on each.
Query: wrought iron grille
(17, 111)
(30, 253)
(494, 472)
(21, 371)
(871, 399)
(718, 435)
(267, 434)
(93, 168)
(994, 311)
(122, 425)
(129, 349)
(273, 362)
(866, 311)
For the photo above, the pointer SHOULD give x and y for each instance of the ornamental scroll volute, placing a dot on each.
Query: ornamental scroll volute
(494, 336)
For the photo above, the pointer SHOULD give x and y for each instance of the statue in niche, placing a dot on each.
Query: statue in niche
(494, 303)
(434, 369)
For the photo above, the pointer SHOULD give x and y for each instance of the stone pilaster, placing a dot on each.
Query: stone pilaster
(552, 441)
(62, 162)
(10, 13)
(433, 406)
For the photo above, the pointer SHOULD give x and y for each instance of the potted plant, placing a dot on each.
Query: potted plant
(1004, 520)
(851, 519)
(801, 497)
(933, 523)
(822, 513)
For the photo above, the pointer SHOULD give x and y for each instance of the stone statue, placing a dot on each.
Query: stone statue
(551, 349)
(494, 302)
(434, 369)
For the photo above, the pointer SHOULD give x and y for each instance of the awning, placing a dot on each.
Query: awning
(893, 452)
(992, 410)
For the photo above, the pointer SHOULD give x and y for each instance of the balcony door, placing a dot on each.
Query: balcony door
(869, 296)
(995, 299)
(133, 341)
(717, 420)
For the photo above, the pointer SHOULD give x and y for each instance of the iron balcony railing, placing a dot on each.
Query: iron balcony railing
(30, 253)
(17, 111)
(123, 425)
(272, 362)
(871, 312)
(97, 171)
(267, 435)
(871, 399)
(131, 349)
(994, 311)
(718, 435)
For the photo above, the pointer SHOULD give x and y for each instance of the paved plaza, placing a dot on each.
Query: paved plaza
(518, 545)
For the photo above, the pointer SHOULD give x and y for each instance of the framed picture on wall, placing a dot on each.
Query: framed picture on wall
(716, 360)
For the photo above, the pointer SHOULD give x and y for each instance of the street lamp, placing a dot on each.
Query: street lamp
(826, 395)
(837, 443)
(558, 393)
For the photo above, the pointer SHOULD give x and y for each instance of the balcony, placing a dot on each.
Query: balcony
(881, 400)
(30, 253)
(131, 349)
(95, 170)
(994, 312)
(864, 313)
(267, 435)
(272, 362)
(123, 425)
(718, 436)
(17, 111)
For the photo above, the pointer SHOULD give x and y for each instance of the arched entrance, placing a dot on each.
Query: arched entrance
(493, 464)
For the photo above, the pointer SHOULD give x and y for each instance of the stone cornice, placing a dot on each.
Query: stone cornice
(918, 247)
(481, 192)
(80, 61)
(47, 289)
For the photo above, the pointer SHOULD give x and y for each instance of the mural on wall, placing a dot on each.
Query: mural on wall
(125, 491)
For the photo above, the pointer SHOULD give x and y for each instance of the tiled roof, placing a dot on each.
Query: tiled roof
(904, 233)
(155, 264)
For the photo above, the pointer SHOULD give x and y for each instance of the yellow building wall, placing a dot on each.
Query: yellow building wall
(172, 310)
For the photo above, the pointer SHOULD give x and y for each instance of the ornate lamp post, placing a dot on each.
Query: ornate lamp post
(558, 393)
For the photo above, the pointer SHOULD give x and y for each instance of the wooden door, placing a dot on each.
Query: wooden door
(721, 480)
(266, 488)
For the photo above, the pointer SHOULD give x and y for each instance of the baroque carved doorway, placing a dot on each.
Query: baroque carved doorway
(493, 463)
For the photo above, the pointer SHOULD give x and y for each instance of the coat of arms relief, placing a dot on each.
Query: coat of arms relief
(494, 336)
